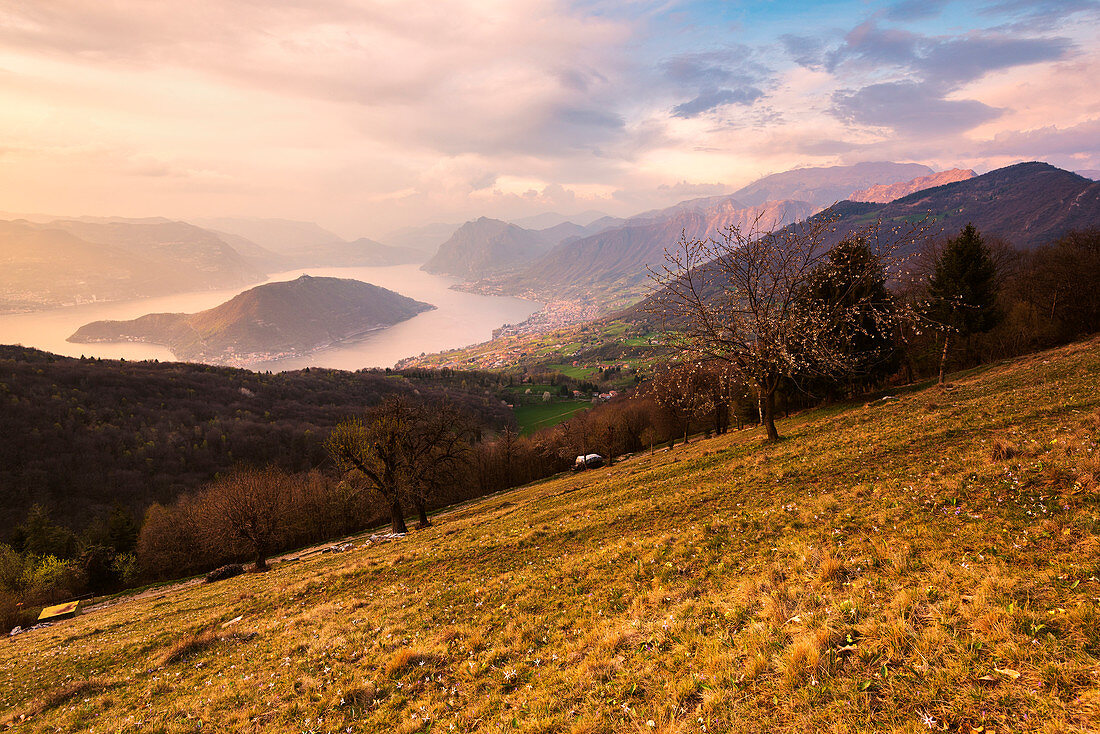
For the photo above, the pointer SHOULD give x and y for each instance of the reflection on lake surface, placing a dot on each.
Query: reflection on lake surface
(459, 319)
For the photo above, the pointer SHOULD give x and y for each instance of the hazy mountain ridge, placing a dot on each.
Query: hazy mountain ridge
(616, 259)
(885, 193)
(546, 220)
(822, 186)
(64, 261)
(295, 244)
(484, 247)
(611, 264)
(424, 238)
(78, 260)
(266, 322)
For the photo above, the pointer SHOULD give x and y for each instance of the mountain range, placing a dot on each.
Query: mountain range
(50, 261)
(70, 261)
(266, 322)
(486, 247)
(1026, 205)
(885, 193)
(613, 264)
(823, 186)
(296, 244)
(610, 264)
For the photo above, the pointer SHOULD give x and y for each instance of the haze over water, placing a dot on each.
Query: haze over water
(459, 319)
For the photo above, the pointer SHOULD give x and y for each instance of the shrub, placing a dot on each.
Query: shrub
(12, 568)
(48, 579)
(9, 610)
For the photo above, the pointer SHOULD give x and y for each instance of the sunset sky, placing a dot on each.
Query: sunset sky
(366, 116)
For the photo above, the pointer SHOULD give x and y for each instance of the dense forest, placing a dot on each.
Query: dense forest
(84, 435)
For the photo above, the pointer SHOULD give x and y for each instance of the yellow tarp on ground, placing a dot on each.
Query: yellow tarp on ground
(58, 610)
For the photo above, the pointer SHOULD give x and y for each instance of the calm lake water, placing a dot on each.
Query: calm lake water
(460, 319)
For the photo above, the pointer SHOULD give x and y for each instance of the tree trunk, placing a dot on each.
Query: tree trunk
(422, 514)
(397, 518)
(768, 400)
(261, 559)
(943, 357)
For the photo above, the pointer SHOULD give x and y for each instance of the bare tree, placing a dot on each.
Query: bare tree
(676, 389)
(439, 447)
(740, 300)
(250, 506)
(375, 452)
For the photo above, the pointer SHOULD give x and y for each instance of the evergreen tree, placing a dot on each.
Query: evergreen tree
(38, 535)
(852, 281)
(122, 531)
(963, 289)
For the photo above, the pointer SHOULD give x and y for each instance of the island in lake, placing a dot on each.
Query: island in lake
(265, 323)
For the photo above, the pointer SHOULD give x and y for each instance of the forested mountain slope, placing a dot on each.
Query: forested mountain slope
(81, 434)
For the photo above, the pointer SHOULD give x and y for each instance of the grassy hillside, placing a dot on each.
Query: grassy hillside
(923, 562)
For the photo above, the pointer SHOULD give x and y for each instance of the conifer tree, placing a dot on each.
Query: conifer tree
(963, 290)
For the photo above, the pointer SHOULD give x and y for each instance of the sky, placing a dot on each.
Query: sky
(368, 115)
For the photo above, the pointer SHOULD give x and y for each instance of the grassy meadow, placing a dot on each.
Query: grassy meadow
(924, 561)
(533, 416)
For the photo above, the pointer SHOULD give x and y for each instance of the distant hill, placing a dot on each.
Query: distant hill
(613, 263)
(1027, 204)
(1092, 174)
(486, 247)
(266, 322)
(425, 238)
(65, 261)
(550, 219)
(821, 187)
(883, 193)
(182, 244)
(490, 247)
(277, 235)
(297, 244)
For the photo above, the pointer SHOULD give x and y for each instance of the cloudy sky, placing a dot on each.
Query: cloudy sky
(366, 115)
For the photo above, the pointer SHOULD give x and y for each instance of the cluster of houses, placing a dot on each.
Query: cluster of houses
(596, 396)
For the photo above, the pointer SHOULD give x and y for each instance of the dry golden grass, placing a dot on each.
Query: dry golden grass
(873, 571)
(55, 697)
(404, 661)
(188, 646)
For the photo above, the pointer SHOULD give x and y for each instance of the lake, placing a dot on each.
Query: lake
(460, 319)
